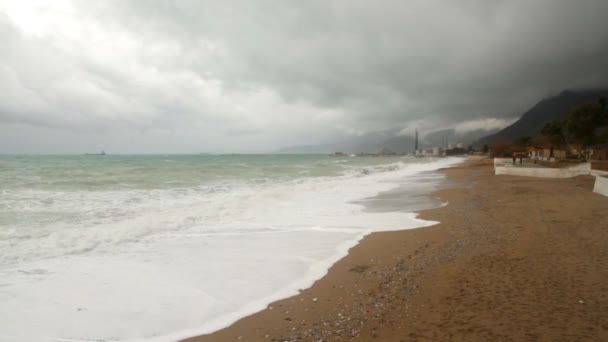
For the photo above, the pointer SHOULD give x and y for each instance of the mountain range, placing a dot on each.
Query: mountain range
(389, 140)
(529, 124)
(532, 122)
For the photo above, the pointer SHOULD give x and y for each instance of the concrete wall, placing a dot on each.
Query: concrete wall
(503, 162)
(601, 185)
(581, 166)
(539, 172)
(504, 166)
(598, 173)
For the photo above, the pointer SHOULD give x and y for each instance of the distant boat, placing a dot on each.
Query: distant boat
(103, 153)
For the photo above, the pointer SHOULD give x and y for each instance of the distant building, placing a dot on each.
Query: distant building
(460, 145)
(437, 151)
(456, 151)
(433, 152)
(546, 153)
(387, 151)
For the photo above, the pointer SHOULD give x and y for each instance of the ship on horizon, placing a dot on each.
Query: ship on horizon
(102, 153)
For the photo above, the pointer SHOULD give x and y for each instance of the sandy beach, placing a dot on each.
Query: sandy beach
(513, 259)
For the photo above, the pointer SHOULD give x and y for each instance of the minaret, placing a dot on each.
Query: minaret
(416, 143)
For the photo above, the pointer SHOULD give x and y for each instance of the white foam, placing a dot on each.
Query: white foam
(187, 262)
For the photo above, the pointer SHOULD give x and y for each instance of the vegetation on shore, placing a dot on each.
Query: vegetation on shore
(583, 126)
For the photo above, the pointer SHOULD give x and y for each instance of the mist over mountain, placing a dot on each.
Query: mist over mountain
(372, 142)
(529, 123)
(393, 140)
(453, 137)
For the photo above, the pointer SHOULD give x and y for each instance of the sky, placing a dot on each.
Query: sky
(190, 76)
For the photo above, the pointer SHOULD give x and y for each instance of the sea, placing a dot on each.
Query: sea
(163, 247)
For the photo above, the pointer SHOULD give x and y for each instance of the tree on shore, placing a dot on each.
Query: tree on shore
(579, 128)
(553, 132)
(581, 122)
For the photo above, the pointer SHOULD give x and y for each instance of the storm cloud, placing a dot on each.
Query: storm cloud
(248, 76)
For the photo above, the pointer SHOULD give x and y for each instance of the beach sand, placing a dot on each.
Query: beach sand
(513, 259)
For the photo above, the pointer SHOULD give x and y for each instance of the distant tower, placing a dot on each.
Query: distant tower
(416, 142)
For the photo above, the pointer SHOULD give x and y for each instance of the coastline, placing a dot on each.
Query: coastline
(484, 272)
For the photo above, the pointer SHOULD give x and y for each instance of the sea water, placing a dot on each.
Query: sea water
(162, 247)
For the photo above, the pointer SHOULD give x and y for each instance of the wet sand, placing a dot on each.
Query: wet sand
(513, 259)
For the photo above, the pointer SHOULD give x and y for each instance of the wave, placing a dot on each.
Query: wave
(198, 245)
(79, 222)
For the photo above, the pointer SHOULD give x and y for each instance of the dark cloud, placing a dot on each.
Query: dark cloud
(268, 73)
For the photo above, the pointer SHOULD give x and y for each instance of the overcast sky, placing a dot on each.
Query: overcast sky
(252, 76)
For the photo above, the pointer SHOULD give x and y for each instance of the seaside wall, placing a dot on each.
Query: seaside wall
(598, 173)
(502, 161)
(540, 172)
(601, 185)
(504, 166)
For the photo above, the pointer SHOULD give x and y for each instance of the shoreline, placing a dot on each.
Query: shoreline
(441, 282)
(345, 253)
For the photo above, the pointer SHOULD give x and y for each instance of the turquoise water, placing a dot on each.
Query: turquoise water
(43, 190)
(76, 173)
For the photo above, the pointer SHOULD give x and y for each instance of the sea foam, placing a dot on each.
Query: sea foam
(161, 265)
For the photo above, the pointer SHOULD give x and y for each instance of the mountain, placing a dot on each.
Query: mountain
(373, 142)
(547, 110)
(438, 138)
(392, 140)
(530, 124)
